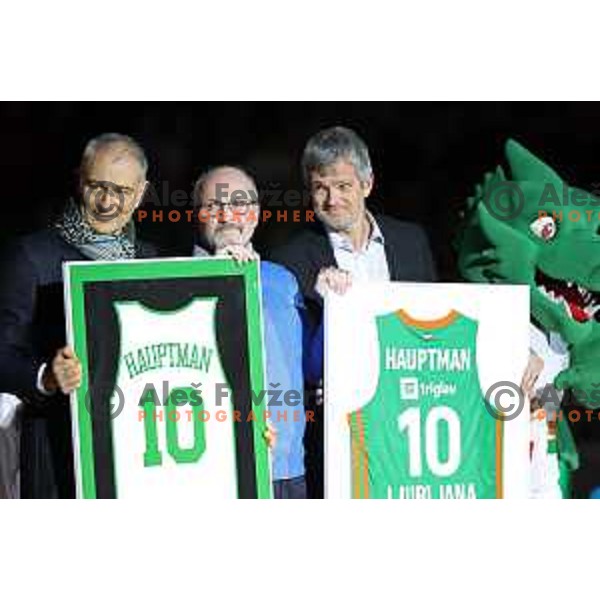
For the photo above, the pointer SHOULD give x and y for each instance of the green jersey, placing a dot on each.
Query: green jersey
(426, 433)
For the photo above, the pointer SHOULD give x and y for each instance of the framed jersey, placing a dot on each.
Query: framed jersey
(171, 354)
(422, 392)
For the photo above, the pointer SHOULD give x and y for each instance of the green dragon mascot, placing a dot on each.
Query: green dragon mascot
(532, 228)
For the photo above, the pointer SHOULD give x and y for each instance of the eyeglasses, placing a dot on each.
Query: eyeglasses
(235, 205)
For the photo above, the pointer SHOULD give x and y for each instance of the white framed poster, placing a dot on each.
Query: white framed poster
(421, 392)
(172, 360)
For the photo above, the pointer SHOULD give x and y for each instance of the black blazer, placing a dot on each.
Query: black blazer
(406, 248)
(32, 329)
(409, 259)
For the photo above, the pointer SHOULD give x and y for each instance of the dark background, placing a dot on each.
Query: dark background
(427, 156)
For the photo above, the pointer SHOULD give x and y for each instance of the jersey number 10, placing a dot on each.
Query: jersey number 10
(153, 455)
(410, 421)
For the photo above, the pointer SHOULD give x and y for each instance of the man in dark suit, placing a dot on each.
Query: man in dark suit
(348, 244)
(35, 363)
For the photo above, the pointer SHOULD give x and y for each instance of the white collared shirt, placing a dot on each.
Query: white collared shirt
(367, 264)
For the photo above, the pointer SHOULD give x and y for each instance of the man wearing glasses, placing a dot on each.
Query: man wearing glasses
(35, 363)
(226, 199)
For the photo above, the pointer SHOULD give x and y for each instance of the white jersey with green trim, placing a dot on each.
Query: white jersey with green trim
(161, 449)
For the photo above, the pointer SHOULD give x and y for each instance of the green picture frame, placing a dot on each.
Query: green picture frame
(236, 285)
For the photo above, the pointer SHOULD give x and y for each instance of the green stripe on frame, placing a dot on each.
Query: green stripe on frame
(257, 379)
(84, 419)
(81, 273)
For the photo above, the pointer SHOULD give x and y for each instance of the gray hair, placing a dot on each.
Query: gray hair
(330, 145)
(198, 188)
(108, 139)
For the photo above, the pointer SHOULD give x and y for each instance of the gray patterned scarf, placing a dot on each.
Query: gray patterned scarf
(98, 246)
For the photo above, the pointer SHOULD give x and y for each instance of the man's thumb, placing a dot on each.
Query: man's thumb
(67, 352)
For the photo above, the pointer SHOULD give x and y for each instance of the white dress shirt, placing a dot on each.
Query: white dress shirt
(366, 264)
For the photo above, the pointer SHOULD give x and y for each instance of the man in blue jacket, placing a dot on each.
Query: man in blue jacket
(227, 202)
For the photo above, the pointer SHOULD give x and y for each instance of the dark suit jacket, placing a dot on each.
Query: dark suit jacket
(409, 259)
(32, 329)
(406, 249)
(408, 256)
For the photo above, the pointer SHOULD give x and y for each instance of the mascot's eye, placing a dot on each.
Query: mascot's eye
(544, 228)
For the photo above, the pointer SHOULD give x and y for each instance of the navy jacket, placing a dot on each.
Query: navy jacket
(408, 256)
(406, 249)
(32, 329)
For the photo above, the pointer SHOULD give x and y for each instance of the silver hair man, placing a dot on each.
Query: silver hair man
(100, 142)
(331, 145)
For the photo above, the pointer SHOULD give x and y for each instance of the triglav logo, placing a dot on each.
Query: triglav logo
(409, 388)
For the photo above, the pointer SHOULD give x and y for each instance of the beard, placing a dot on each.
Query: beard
(339, 222)
(229, 235)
